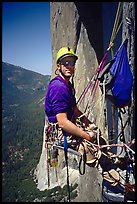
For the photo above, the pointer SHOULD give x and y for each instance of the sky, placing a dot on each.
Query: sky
(26, 35)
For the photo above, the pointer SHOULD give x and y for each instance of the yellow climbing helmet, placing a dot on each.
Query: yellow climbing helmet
(65, 52)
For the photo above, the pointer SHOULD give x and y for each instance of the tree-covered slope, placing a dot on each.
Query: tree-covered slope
(22, 130)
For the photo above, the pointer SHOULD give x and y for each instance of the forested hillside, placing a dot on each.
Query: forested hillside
(22, 129)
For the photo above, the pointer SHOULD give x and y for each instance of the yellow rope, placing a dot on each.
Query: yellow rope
(116, 27)
(118, 14)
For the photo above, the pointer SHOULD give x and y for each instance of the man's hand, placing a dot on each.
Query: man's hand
(93, 135)
(92, 130)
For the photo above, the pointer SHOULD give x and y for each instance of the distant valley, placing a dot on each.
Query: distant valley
(23, 115)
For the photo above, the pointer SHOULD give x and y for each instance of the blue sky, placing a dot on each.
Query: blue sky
(26, 35)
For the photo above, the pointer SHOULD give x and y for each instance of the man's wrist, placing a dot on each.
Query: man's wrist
(89, 137)
(93, 137)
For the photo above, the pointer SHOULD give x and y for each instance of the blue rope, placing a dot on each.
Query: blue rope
(65, 142)
(66, 159)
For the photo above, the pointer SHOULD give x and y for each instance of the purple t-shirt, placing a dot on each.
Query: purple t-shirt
(59, 99)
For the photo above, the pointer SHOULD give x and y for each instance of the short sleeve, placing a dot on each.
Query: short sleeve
(59, 97)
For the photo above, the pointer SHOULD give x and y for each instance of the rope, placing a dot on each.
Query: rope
(97, 81)
(95, 85)
(94, 78)
(66, 159)
(117, 18)
(101, 113)
(118, 24)
(115, 145)
(90, 108)
(115, 27)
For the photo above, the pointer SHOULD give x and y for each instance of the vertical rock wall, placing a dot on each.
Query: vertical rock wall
(77, 25)
(62, 27)
(128, 32)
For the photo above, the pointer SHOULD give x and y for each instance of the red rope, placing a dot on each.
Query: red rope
(98, 70)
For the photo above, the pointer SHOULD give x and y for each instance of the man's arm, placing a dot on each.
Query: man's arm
(71, 128)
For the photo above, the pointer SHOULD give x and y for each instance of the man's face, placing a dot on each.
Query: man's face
(67, 66)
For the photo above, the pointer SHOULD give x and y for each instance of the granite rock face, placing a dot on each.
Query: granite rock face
(77, 25)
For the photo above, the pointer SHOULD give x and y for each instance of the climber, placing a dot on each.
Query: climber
(60, 101)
